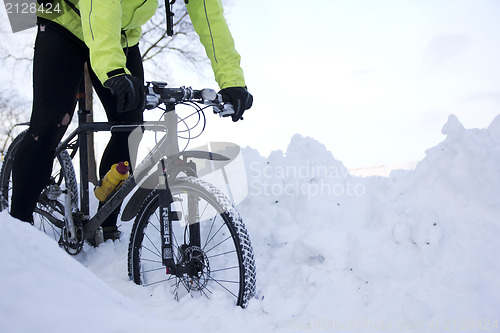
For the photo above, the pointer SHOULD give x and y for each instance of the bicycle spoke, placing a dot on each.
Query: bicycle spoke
(203, 212)
(222, 225)
(224, 287)
(154, 226)
(210, 231)
(175, 244)
(224, 269)
(154, 270)
(213, 247)
(202, 291)
(221, 254)
(153, 283)
(155, 253)
(153, 261)
(152, 243)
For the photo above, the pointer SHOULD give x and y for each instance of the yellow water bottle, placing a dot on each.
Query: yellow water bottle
(112, 180)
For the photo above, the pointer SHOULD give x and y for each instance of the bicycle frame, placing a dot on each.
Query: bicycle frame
(166, 154)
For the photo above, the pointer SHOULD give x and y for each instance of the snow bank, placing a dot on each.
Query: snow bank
(413, 252)
(42, 289)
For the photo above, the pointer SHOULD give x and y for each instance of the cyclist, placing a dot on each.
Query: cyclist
(105, 34)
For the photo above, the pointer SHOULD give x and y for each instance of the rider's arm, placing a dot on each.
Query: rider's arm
(211, 26)
(101, 24)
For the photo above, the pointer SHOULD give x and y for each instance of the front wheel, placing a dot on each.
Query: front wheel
(209, 235)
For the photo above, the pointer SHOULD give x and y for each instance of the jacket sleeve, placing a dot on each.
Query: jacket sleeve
(209, 23)
(101, 25)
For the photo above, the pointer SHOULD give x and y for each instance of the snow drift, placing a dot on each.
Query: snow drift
(416, 251)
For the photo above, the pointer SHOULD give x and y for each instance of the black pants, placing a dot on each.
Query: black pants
(57, 71)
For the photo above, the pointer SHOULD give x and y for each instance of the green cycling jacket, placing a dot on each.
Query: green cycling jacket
(100, 24)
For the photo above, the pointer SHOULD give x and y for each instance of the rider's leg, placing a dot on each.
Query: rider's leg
(117, 149)
(57, 70)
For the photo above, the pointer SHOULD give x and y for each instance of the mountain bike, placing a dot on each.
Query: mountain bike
(186, 234)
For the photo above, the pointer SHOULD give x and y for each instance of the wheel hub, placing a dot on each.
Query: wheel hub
(53, 192)
(195, 265)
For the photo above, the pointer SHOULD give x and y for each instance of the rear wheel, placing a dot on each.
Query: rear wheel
(209, 240)
(49, 211)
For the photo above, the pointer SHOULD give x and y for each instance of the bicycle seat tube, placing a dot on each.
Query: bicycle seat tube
(83, 151)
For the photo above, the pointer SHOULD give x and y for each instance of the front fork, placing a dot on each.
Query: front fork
(165, 201)
(184, 263)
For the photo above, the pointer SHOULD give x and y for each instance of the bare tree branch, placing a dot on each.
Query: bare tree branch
(13, 57)
(156, 46)
(12, 112)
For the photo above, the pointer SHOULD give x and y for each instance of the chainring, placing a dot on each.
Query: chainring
(73, 247)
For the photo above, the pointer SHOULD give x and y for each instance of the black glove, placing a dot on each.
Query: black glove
(129, 92)
(240, 98)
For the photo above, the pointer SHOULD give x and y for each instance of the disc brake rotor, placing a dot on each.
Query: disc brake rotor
(199, 275)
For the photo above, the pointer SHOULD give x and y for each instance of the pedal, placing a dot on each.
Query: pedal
(99, 236)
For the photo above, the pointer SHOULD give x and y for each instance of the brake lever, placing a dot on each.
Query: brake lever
(225, 110)
(221, 108)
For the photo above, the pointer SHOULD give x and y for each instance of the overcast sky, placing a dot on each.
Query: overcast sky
(373, 80)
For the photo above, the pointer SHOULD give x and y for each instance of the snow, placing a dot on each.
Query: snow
(417, 251)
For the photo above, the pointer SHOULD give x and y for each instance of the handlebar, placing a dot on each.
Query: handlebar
(157, 93)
